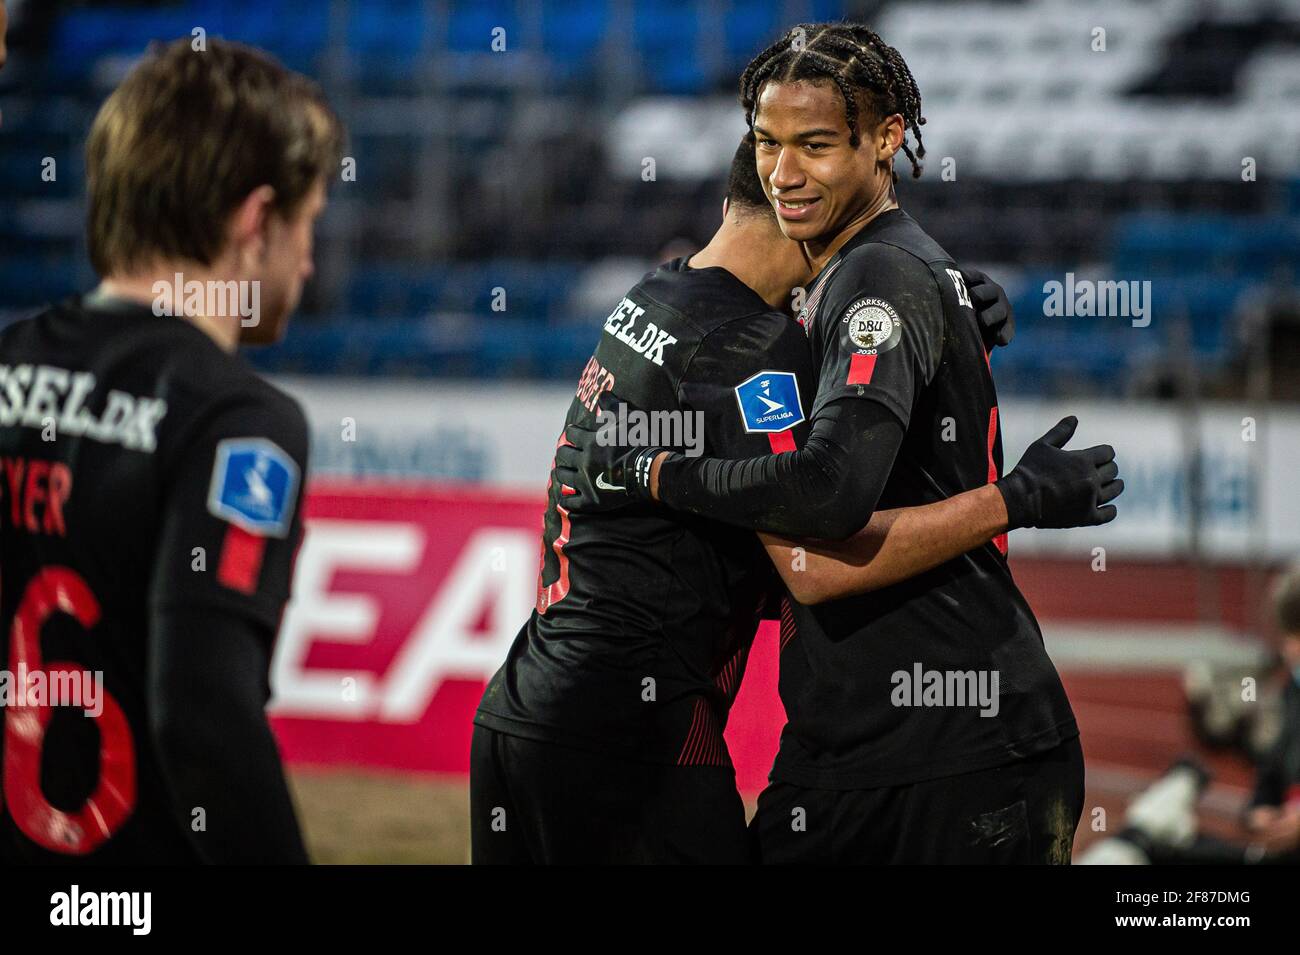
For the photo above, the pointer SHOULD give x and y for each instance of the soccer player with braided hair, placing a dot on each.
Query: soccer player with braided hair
(926, 723)
(853, 58)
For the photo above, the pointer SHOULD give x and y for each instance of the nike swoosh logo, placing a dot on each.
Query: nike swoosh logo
(601, 483)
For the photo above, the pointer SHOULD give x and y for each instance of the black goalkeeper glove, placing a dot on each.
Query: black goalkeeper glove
(600, 473)
(1052, 487)
(992, 308)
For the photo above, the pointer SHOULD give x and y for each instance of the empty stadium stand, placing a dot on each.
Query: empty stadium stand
(502, 146)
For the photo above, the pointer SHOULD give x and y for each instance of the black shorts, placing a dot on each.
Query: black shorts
(543, 803)
(1021, 813)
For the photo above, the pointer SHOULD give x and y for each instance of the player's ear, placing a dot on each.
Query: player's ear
(726, 204)
(889, 137)
(248, 223)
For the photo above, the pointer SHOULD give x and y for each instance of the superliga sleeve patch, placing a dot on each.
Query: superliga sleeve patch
(254, 486)
(769, 402)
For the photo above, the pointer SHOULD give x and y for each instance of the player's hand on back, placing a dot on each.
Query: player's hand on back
(597, 468)
(1053, 487)
(992, 308)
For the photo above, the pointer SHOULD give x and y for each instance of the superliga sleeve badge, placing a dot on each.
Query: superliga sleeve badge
(872, 325)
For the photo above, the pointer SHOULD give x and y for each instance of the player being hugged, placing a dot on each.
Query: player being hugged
(150, 504)
(926, 722)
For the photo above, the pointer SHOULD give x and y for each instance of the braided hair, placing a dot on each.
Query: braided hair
(856, 60)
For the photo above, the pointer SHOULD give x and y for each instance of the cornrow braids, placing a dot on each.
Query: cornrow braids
(856, 60)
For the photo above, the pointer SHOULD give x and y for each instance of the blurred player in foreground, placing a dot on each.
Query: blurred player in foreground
(890, 697)
(152, 482)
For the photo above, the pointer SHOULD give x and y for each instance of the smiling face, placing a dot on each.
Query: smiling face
(820, 183)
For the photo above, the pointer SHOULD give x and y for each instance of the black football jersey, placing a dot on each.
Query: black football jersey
(141, 468)
(946, 672)
(644, 618)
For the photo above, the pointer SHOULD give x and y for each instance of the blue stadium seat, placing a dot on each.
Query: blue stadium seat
(386, 46)
(471, 26)
(532, 290)
(667, 39)
(1253, 245)
(750, 28)
(828, 10)
(573, 33)
(574, 27)
(22, 162)
(482, 350)
(82, 36)
(380, 288)
(30, 281)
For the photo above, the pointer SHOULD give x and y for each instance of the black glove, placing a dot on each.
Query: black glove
(1051, 487)
(992, 308)
(602, 474)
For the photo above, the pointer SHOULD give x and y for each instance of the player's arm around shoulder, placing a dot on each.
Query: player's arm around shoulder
(880, 334)
(896, 545)
(773, 368)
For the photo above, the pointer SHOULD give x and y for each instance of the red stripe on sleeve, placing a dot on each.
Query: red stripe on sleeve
(241, 559)
(861, 368)
(781, 441)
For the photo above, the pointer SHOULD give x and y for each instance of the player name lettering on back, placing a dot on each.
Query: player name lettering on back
(32, 485)
(648, 340)
(31, 395)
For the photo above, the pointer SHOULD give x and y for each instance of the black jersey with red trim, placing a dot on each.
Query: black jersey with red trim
(142, 468)
(644, 618)
(946, 672)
